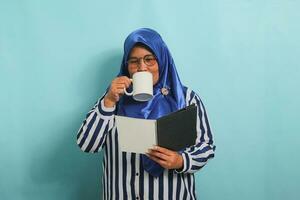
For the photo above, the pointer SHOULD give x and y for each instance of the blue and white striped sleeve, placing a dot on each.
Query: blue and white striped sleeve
(94, 129)
(196, 156)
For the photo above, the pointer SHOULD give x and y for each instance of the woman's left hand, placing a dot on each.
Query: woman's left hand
(168, 159)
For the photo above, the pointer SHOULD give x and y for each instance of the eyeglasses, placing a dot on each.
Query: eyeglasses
(149, 60)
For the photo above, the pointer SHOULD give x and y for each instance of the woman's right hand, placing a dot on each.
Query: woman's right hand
(116, 90)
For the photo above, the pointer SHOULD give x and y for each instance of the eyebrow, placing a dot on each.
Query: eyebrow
(140, 57)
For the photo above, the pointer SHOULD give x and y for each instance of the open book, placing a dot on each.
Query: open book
(174, 131)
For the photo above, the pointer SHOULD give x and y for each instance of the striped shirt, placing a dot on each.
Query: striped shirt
(123, 173)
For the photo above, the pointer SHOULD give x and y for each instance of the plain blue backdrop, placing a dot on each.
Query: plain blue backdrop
(241, 56)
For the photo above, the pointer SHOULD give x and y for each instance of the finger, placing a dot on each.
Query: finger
(117, 83)
(163, 163)
(127, 81)
(158, 155)
(124, 79)
(116, 93)
(120, 80)
(163, 150)
(117, 98)
(119, 91)
(120, 85)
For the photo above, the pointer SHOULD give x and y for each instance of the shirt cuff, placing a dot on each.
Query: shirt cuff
(105, 111)
(186, 164)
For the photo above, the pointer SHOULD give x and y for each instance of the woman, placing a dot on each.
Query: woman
(162, 173)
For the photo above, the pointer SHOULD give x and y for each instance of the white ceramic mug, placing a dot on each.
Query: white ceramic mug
(142, 89)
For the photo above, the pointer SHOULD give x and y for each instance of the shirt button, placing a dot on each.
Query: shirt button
(137, 197)
(137, 175)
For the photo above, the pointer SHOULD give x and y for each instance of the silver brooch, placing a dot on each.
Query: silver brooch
(164, 91)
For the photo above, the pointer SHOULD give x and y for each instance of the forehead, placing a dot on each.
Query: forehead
(139, 51)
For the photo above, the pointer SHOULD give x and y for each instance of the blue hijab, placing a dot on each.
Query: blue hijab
(160, 104)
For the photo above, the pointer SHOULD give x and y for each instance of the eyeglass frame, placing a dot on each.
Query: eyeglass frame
(139, 60)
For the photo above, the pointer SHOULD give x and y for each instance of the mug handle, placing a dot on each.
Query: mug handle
(128, 93)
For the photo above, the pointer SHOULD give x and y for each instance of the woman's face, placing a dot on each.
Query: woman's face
(136, 62)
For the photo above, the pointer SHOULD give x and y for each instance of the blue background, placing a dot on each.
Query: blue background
(242, 57)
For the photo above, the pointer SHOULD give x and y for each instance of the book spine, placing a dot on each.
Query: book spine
(156, 132)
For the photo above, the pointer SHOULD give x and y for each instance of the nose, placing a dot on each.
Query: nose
(142, 66)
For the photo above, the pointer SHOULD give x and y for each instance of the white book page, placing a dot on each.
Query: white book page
(135, 135)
